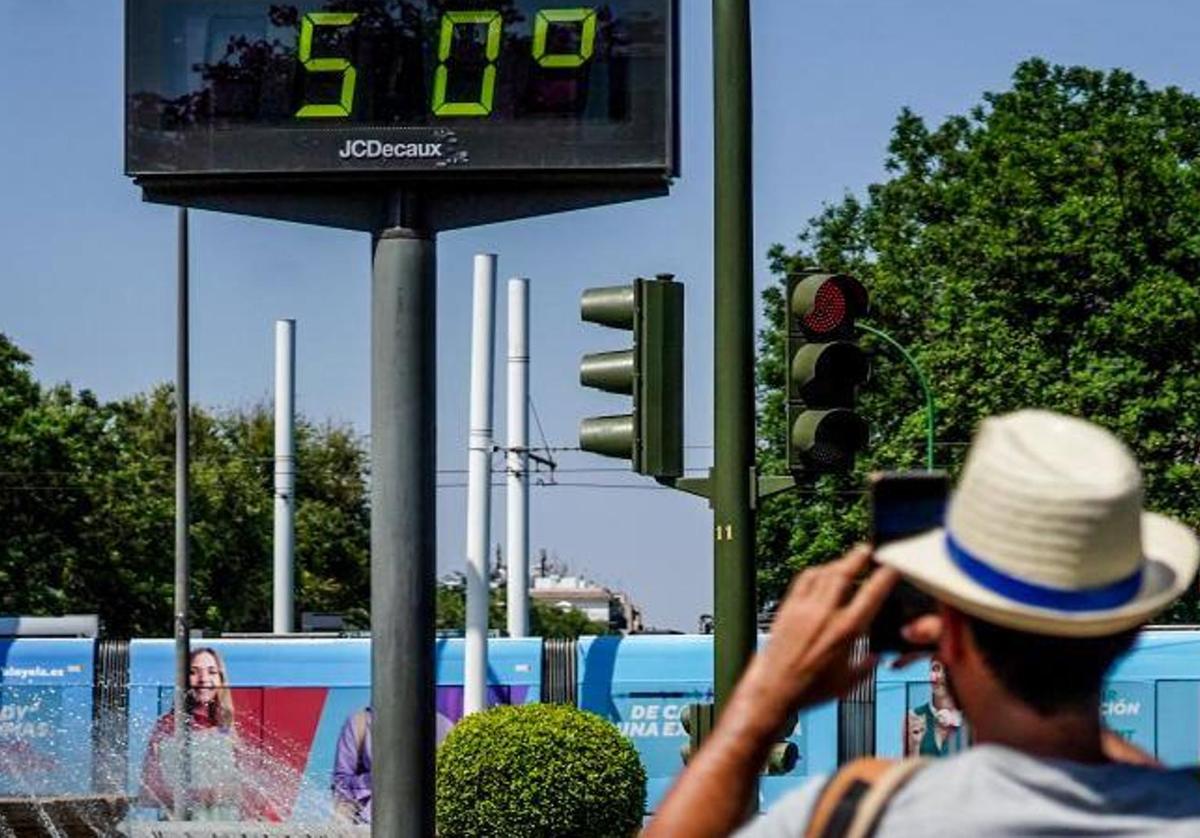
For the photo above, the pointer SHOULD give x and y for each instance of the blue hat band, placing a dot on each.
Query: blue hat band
(1041, 596)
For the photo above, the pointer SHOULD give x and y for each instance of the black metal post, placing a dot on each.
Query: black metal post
(733, 460)
(403, 549)
(182, 551)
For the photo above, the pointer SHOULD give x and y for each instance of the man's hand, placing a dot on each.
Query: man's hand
(807, 659)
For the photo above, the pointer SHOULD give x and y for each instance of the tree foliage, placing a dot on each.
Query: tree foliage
(1041, 251)
(87, 505)
(87, 514)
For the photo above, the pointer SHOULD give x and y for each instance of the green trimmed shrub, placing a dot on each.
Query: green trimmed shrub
(538, 771)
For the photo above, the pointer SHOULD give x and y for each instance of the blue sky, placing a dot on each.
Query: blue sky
(87, 282)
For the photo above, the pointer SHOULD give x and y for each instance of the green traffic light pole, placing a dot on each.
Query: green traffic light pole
(734, 486)
(930, 407)
(652, 435)
(733, 480)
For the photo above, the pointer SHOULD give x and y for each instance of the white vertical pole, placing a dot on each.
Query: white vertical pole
(518, 457)
(285, 473)
(479, 481)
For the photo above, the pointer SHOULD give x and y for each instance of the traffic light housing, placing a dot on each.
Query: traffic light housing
(784, 755)
(651, 437)
(825, 366)
(697, 720)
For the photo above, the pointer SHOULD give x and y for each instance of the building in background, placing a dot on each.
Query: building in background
(554, 586)
(601, 605)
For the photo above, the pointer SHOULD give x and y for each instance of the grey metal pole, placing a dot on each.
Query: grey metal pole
(403, 548)
(182, 551)
(479, 482)
(517, 498)
(285, 476)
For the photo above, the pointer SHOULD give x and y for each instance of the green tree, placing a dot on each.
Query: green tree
(87, 514)
(232, 513)
(87, 506)
(547, 621)
(52, 442)
(1041, 251)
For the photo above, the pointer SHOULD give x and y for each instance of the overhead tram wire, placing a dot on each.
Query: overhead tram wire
(541, 431)
(90, 481)
(635, 487)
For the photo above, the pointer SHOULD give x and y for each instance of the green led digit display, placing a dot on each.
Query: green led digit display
(441, 79)
(461, 87)
(327, 65)
(585, 18)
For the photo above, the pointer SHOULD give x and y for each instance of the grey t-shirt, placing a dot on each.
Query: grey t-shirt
(991, 790)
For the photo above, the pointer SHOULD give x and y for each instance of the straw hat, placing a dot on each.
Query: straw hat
(1046, 533)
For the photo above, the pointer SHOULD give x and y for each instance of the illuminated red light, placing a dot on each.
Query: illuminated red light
(829, 309)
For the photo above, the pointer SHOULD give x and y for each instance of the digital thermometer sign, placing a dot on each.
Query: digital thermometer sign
(433, 88)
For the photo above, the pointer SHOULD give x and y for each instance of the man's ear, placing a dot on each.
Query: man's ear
(952, 645)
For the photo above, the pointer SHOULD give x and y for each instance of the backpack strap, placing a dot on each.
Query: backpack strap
(852, 802)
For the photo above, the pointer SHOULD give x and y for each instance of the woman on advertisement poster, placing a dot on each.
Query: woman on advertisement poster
(935, 729)
(218, 785)
(351, 781)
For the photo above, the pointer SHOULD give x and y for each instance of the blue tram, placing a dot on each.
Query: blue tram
(76, 714)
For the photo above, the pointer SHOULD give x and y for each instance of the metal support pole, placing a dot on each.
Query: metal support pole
(403, 544)
(182, 551)
(285, 475)
(517, 502)
(479, 481)
(733, 459)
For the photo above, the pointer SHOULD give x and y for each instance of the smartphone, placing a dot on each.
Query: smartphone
(903, 504)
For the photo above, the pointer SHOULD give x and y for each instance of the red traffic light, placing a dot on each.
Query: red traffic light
(828, 303)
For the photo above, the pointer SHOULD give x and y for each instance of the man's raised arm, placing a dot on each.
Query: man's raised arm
(806, 661)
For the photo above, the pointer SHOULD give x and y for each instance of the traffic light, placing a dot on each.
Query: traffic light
(784, 755)
(652, 372)
(782, 759)
(697, 720)
(825, 368)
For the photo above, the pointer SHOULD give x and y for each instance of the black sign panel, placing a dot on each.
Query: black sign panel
(400, 87)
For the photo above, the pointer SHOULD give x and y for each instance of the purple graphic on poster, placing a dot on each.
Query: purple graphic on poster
(450, 703)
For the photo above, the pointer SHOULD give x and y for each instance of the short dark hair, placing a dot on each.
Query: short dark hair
(1050, 674)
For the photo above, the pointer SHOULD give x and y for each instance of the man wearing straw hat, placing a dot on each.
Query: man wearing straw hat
(1045, 569)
